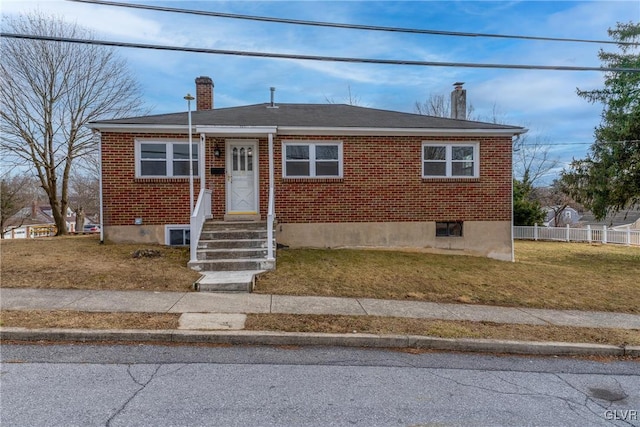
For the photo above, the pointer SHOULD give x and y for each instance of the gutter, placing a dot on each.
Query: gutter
(225, 130)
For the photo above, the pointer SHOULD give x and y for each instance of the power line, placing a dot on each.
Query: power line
(347, 26)
(553, 144)
(316, 57)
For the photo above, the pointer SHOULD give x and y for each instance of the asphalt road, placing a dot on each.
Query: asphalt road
(143, 385)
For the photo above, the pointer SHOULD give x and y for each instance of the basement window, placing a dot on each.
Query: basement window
(178, 235)
(449, 229)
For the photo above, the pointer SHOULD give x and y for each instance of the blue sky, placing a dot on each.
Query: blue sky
(543, 101)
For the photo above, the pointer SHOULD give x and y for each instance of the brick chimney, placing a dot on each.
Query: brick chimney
(458, 102)
(204, 93)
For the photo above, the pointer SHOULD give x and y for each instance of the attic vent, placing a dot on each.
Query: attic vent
(273, 95)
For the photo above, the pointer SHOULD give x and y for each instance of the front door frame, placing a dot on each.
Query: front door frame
(229, 143)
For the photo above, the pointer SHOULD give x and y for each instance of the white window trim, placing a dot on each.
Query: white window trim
(448, 147)
(168, 142)
(168, 227)
(312, 161)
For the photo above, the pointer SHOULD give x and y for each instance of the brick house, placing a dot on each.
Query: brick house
(320, 175)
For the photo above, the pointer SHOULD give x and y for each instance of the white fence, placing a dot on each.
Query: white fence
(590, 234)
(30, 231)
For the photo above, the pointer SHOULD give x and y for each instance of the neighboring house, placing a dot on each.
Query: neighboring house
(557, 216)
(628, 218)
(333, 175)
(35, 221)
(634, 226)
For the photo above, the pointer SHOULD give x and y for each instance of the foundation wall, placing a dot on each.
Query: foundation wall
(135, 234)
(481, 238)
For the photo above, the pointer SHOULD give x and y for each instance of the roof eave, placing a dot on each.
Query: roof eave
(373, 131)
(137, 128)
(300, 130)
(231, 131)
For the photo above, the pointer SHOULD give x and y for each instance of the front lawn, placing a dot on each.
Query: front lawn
(545, 274)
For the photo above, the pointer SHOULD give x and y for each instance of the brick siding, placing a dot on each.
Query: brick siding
(382, 181)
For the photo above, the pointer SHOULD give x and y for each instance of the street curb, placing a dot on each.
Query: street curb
(319, 339)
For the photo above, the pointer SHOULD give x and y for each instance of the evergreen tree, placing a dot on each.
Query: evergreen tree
(526, 210)
(608, 179)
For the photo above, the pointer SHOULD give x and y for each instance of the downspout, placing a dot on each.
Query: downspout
(99, 136)
(513, 253)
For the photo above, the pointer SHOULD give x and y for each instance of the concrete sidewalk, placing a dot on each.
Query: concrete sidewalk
(219, 319)
(243, 303)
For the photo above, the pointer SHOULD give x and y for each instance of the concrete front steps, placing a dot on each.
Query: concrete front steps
(230, 254)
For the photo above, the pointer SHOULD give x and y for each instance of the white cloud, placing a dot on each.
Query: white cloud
(121, 23)
(543, 100)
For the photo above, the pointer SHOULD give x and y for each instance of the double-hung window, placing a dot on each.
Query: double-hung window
(165, 159)
(440, 160)
(312, 159)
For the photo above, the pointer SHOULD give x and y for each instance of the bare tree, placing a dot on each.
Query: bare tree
(439, 105)
(17, 192)
(532, 158)
(350, 99)
(497, 116)
(84, 186)
(49, 91)
(84, 193)
(556, 197)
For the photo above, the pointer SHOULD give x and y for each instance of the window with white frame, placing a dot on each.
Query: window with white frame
(441, 160)
(312, 159)
(178, 235)
(165, 158)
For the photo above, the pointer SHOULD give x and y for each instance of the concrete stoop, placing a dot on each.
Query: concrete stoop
(227, 281)
(228, 248)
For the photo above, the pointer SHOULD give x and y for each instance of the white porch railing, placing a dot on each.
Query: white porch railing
(201, 212)
(589, 234)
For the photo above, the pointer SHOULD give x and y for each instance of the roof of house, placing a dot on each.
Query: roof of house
(35, 215)
(619, 218)
(309, 115)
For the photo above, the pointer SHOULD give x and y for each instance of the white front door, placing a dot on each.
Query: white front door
(242, 177)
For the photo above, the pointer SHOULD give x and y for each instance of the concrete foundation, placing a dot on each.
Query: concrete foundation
(481, 238)
(490, 239)
(135, 234)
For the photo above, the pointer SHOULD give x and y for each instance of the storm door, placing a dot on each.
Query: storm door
(242, 177)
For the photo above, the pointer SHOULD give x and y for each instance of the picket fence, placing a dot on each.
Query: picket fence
(589, 234)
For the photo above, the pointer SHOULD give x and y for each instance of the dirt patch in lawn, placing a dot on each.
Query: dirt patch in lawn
(438, 328)
(37, 319)
(64, 319)
(545, 275)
